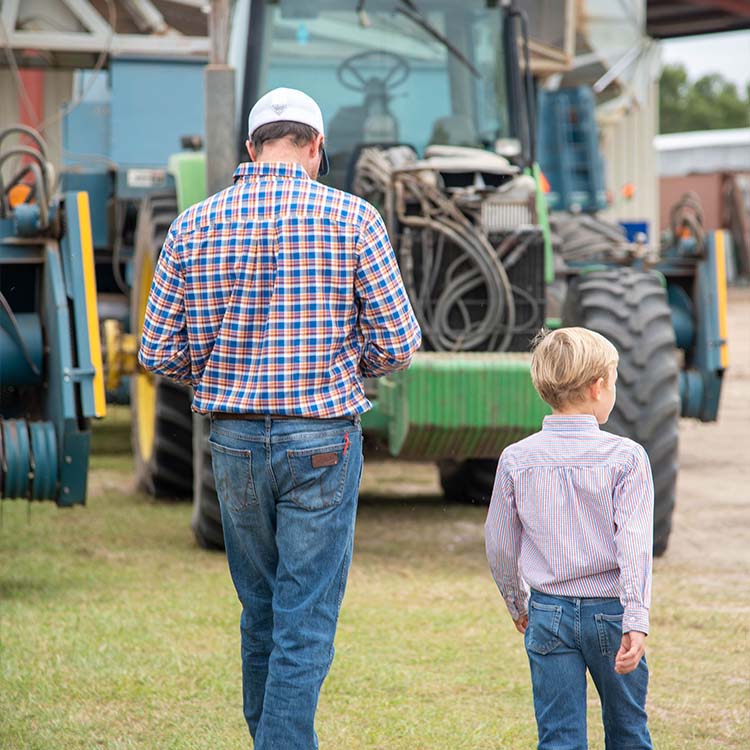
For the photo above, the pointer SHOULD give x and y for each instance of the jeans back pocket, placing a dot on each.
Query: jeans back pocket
(233, 476)
(543, 631)
(318, 475)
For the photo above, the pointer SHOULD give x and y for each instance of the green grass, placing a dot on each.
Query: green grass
(116, 631)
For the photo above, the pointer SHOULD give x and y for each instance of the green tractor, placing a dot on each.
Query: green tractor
(430, 115)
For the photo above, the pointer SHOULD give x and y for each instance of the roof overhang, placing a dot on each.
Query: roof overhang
(83, 33)
(667, 19)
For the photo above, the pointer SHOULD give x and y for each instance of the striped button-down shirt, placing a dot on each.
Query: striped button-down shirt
(572, 515)
(276, 296)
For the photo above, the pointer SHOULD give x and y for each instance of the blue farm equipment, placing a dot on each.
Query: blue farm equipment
(51, 378)
(117, 143)
(569, 150)
(691, 261)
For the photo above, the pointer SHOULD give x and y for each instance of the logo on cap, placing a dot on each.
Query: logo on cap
(279, 101)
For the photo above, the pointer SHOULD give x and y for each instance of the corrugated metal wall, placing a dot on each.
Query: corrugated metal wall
(627, 144)
(58, 87)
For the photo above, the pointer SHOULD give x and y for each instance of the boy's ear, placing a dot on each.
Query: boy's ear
(596, 389)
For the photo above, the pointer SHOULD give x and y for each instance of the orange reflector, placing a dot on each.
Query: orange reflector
(543, 182)
(18, 194)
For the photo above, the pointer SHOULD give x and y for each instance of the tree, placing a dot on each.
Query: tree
(709, 103)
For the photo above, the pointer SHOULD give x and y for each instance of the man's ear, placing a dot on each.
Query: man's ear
(251, 151)
(315, 145)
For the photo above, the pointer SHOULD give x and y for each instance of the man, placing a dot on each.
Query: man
(273, 299)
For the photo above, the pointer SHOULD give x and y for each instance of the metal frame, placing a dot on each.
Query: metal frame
(99, 35)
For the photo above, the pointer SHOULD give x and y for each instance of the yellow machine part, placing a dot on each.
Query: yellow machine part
(721, 293)
(144, 381)
(121, 353)
(92, 314)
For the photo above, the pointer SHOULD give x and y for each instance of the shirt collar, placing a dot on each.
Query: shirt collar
(250, 170)
(570, 423)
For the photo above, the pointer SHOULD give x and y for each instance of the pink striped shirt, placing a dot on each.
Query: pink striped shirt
(572, 515)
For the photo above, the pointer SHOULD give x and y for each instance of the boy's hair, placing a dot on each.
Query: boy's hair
(567, 361)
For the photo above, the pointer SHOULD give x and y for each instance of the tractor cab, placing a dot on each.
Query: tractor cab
(369, 64)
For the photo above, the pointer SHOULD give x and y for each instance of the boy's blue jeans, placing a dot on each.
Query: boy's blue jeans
(288, 494)
(565, 636)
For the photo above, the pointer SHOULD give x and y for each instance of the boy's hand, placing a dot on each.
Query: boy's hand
(521, 623)
(632, 649)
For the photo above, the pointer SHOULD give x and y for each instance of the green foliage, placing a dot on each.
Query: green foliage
(710, 103)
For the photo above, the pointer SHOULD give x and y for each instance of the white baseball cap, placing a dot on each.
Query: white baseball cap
(287, 105)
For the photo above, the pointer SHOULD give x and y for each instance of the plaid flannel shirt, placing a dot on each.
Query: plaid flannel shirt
(277, 296)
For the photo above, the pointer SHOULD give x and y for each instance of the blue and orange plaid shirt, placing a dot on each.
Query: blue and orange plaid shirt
(277, 296)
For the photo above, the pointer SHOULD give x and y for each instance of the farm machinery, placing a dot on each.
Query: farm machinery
(430, 115)
(51, 377)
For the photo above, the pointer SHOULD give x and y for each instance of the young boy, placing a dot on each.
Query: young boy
(571, 517)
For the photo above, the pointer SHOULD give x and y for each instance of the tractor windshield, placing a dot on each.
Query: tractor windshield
(415, 72)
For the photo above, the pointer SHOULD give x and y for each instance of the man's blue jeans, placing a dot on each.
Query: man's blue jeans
(566, 636)
(288, 493)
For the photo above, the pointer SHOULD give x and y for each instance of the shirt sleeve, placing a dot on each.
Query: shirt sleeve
(164, 346)
(502, 534)
(634, 520)
(390, 332)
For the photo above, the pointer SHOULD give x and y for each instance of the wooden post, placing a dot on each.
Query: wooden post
(221, 156)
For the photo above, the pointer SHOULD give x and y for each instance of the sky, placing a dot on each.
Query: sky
(728, 54)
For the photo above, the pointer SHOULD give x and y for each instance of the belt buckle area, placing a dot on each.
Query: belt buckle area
(221, 415)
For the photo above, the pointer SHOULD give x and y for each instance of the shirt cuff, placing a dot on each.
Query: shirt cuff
(516, 607)
(635, 618)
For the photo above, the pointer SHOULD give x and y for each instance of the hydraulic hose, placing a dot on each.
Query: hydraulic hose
(456, 258)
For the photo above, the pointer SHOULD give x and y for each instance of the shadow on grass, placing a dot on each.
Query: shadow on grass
(406, 502)
(26, 588)
(111, 435)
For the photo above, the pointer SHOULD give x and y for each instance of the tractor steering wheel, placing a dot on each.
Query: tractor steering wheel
(352, 77)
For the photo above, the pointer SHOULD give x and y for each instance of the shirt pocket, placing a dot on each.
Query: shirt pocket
(543, 631)
(318, 475)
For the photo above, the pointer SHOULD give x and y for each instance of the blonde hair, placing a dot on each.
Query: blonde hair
(567, 361)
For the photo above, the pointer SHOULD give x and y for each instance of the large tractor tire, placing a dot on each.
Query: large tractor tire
(162, 424)
(469, 481)
(630, 308)
(206, 521)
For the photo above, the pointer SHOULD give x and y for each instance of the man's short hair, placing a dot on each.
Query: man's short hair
(299, 133)
(567, 361)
